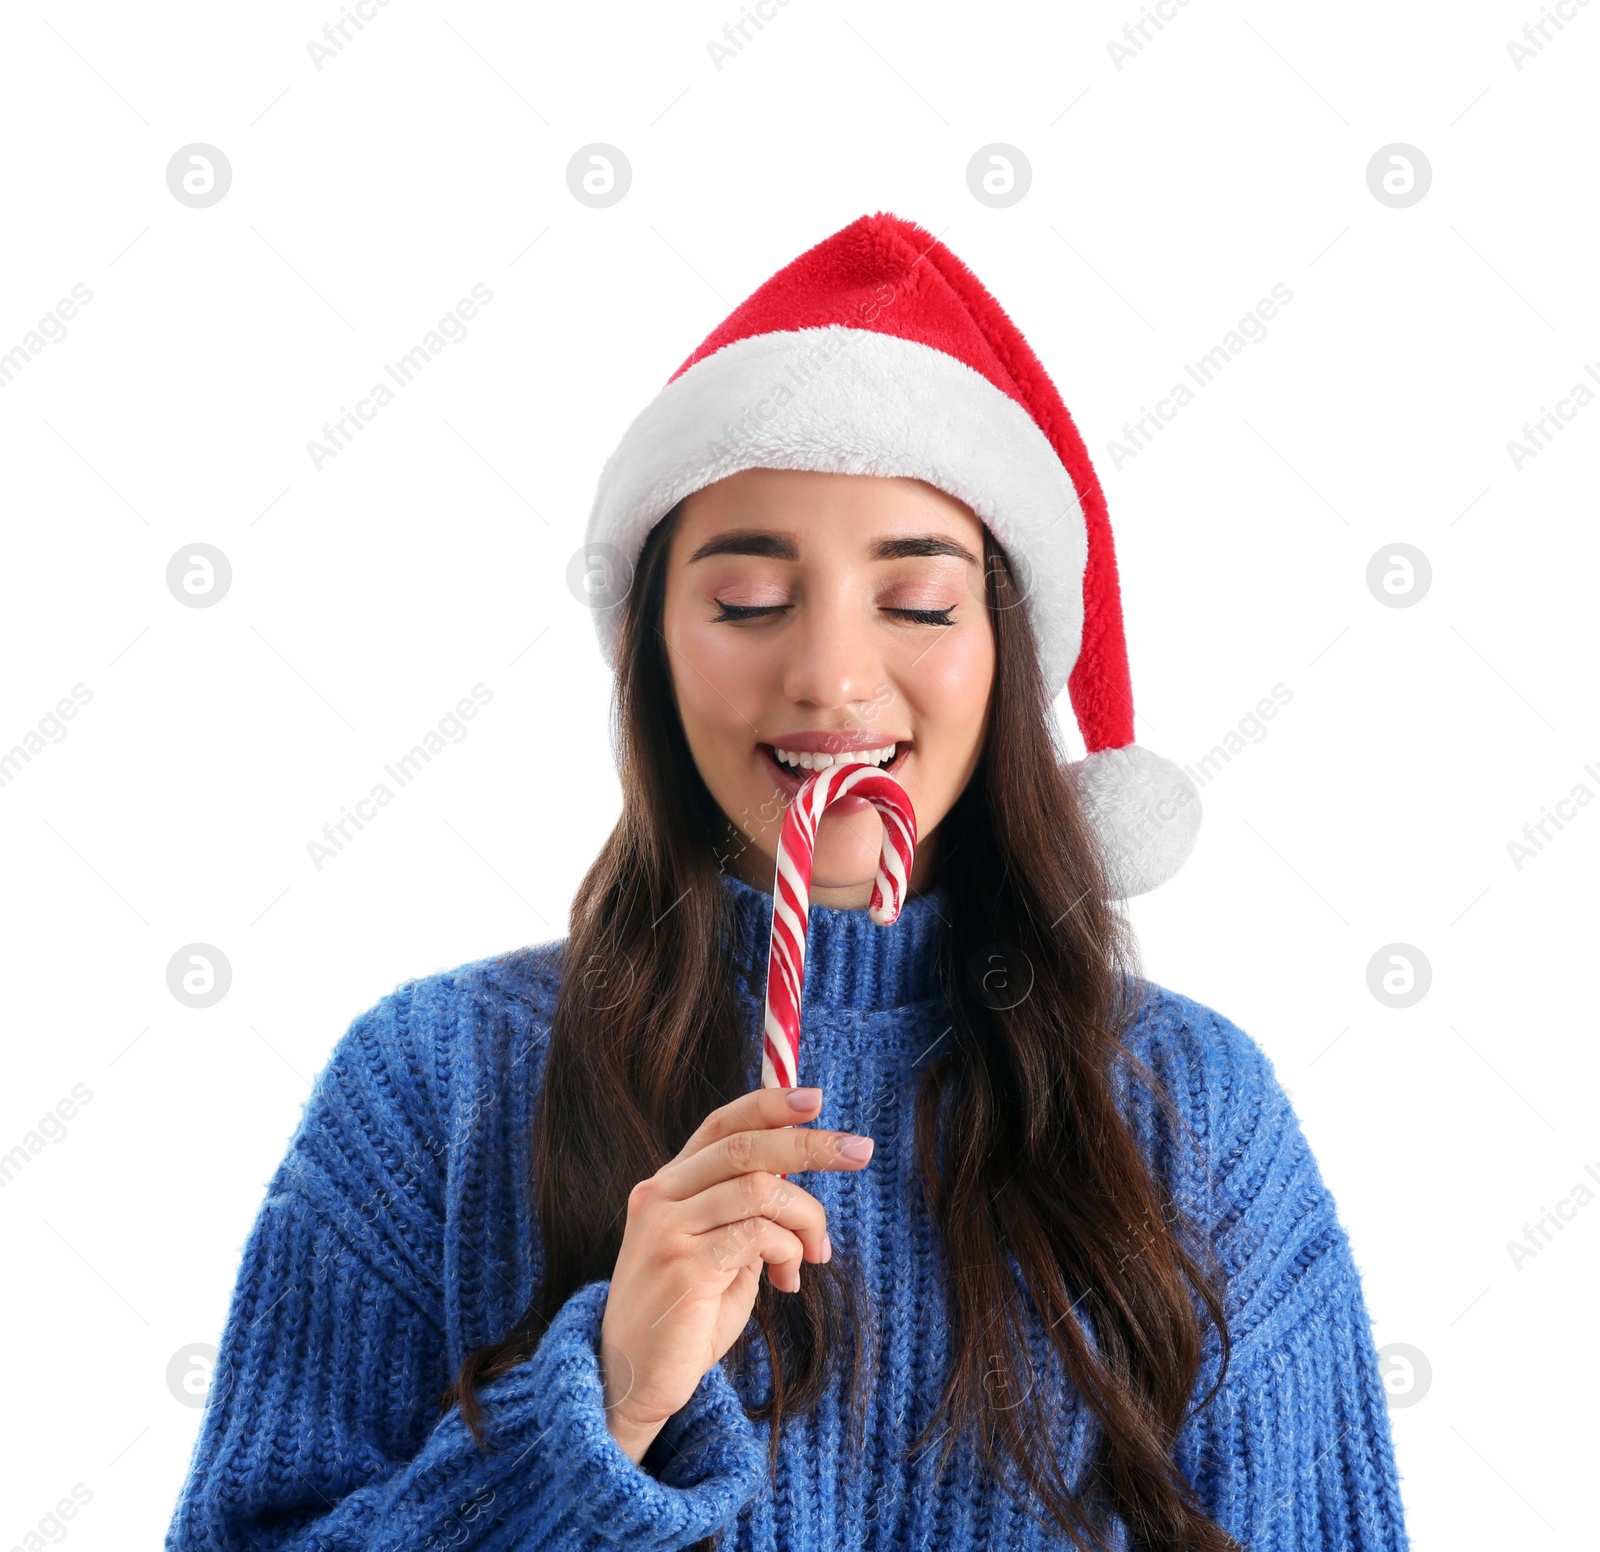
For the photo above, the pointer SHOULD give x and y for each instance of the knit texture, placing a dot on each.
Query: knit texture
(397, 1235)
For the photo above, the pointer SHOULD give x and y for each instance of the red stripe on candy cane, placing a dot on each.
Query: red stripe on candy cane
(791, 895)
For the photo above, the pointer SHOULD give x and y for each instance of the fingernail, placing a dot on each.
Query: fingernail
(857, 1148)
(827, 1246)
(804, 1099)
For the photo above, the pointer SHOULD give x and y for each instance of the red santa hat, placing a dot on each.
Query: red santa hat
(879, 352)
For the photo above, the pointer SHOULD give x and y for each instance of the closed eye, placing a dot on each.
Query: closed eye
(745, 611)
(732, 613)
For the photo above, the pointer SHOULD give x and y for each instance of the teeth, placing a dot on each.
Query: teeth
(820, 762)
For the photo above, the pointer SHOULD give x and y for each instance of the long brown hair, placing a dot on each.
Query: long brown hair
(1039, 1163)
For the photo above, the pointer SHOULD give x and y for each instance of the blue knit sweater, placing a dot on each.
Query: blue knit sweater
(396, 1236)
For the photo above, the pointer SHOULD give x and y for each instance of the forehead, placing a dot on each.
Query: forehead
(785, 513)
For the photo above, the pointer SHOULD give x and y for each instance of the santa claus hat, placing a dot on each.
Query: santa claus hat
(879, 352)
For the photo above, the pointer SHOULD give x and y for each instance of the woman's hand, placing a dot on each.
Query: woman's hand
(699, 1231)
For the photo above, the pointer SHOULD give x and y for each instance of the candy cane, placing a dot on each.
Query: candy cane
(791, 894)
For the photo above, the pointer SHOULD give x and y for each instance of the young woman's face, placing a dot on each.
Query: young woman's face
(831, 613)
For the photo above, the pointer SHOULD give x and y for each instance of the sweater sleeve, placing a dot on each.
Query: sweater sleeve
(321, 1431)
(1294, 1454)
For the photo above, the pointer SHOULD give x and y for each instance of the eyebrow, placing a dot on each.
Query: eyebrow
(782, 546)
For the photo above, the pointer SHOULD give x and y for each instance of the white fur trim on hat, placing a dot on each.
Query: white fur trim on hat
(1145, 812)
(856, 401)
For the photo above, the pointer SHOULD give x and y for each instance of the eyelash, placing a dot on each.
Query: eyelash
(732, 613)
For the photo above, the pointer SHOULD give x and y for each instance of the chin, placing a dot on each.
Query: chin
(853, 870)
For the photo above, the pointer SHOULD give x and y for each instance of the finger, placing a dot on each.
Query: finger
(764, 1195)
(752, 1242)
(756, 1111)
(786, 1151)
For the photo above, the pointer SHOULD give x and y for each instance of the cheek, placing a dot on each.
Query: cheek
(953, 682)
(717, 684)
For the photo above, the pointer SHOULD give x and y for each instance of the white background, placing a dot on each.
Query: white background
(1167, 197)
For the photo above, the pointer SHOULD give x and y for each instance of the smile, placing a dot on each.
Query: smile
(789, 767)
(800, 759)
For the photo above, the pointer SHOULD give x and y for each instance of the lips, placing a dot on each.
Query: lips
(789, 781)
(846, 741)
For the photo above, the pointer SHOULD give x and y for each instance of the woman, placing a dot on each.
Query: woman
(1047, 1260)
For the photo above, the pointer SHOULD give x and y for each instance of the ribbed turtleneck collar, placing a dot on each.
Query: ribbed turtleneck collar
(851, 962)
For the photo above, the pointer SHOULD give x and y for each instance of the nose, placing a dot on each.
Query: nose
(833, 660)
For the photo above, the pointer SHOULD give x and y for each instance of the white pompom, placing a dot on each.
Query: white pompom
(1144, 809)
